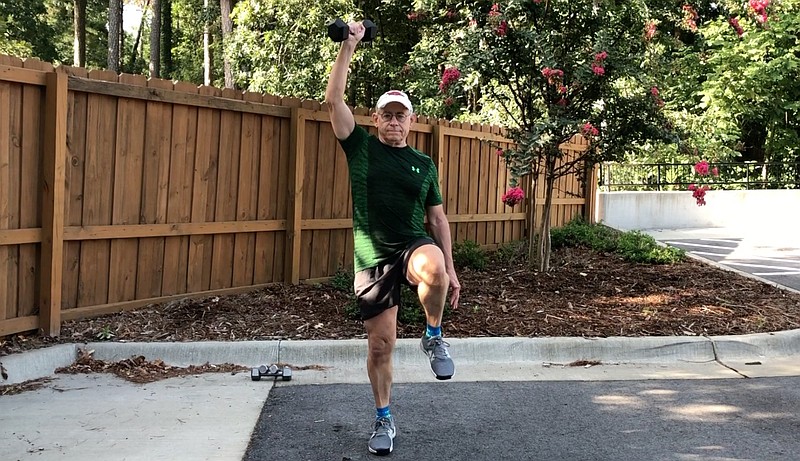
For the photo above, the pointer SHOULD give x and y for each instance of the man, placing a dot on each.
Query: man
(394, 188)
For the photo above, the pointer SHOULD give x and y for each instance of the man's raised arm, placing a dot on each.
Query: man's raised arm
(341, 118)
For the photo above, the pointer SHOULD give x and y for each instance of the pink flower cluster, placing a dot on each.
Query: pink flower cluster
(760, 8)
(500, 152)
(502, 28)
(650, 31)
(736, 26)
(588, 130)
(449, 76)
(701, 168)
(699, 193)
(495, 11)
(553, 76)
(690, 17)
(416, 16)
(656, 96)
(597, 65)
(513, 196)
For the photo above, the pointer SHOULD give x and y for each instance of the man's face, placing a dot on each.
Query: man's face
(393, 123)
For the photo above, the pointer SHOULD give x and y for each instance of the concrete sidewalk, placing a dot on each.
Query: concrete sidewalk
(211, 416)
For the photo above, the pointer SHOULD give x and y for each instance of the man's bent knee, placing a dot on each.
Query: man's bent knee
(427, 266)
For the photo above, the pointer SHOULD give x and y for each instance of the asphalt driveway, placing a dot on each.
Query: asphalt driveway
(772, 255)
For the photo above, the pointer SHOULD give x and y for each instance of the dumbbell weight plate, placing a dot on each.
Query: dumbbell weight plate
(338, 30)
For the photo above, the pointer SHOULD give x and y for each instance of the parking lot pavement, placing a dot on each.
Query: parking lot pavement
(729, 419)
(773, 257)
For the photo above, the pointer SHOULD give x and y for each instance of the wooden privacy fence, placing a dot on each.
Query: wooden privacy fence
(117, 191)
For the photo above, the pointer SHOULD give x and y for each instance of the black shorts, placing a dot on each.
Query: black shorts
(378, 288)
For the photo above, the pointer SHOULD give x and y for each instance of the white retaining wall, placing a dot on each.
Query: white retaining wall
(744, 209)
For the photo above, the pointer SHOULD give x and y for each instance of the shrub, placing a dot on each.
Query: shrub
(580, 233)
(511, 252)
(468, 254)
(633, 246)
(637, 247)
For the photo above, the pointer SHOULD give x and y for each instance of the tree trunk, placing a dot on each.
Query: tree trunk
(155, 41)
(227, 30)
(544, 229)
(114, 7)
(532, 222)
(166, 37)
(79, 30)
(207, 39)
(135, 49)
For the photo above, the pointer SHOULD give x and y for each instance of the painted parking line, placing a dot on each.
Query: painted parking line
(771, 261)
(749, 258)
(700, 245)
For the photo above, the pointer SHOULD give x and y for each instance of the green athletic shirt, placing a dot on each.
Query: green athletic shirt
(392, 187)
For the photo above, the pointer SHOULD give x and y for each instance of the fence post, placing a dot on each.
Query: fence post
(294, 208)
(438, 151)
(53, 193)
(590, 194)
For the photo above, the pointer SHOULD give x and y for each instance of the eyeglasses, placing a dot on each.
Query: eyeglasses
(387, 116)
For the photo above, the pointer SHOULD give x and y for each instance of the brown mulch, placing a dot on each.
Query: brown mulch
(139, 370)
(585, 294)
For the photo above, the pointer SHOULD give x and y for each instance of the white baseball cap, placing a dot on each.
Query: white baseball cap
(394, 96)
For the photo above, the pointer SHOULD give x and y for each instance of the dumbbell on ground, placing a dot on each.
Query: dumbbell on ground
(338, 30)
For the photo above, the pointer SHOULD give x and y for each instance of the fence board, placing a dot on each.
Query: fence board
(7, 282)
(97, 189)
(264, 269)
(244, 244)
(73, 211)
(29, 195)
(464, 179)
(340, 208)
(204, 186)
(326, 195)
(14, 191)
(179, 199)
(126, 201)
(228, 173)
(154, 193)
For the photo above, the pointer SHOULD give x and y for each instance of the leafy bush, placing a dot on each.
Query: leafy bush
(342, 280)
(580, 233)
(637, 247)
(511, 252)
(634, 246)
(468, 254)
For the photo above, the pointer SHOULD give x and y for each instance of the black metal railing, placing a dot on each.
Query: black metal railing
(678, 176)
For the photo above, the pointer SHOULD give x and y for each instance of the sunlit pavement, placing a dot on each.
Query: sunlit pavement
(771, 255)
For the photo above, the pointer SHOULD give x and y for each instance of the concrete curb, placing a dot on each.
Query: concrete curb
(468, 351)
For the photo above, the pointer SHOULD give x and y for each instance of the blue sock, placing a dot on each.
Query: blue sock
(383, 412)
(433, 331)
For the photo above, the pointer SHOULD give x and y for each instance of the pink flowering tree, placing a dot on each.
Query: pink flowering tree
(553, 69)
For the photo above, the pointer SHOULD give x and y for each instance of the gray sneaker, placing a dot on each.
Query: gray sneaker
(441, 363)
(381, 442)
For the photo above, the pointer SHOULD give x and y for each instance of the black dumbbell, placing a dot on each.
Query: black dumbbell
(285, 373)
(338, 30)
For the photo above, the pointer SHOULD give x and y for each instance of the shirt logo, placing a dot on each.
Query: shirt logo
(415, 169)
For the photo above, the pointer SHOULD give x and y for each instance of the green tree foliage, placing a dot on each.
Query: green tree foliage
(43, 29)
(550, 69)
(281, 47)
(25, 30)
(730, 78)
